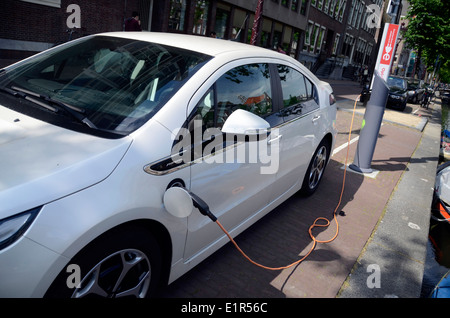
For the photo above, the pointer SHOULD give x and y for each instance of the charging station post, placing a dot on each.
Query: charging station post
(373, 115)
(369, 132)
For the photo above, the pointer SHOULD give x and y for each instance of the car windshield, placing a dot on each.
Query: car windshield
(117, 83)
(396, 82)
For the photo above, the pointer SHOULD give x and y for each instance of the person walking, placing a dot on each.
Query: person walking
(133, 23)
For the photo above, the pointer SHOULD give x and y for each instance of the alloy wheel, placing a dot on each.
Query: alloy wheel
(318, 167)
(121, 274)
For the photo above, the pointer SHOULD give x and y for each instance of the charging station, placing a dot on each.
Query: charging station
(376, 105)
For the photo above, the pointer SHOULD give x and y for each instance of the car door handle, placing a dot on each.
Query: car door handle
(315, 118)
(270, 141)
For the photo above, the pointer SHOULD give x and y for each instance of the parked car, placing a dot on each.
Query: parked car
(397, 97)
(415, 91)
(95, 131)
(445, 97)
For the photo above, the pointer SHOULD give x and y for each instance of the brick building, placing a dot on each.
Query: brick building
(338, 40)
(283, 23)
(30, 26)
(312, 31)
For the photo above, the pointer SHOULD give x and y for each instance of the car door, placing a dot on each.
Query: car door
(227, 175)
(301, 114)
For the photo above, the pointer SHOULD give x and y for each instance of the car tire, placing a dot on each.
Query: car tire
(316, 169)
(403, 107)
(124, 262)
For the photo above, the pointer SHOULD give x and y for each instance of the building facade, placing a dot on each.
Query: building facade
(31, 26)
(283, 22)
(319, 33)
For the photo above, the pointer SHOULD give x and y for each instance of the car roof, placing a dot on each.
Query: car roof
(213, 47)
(202, 44)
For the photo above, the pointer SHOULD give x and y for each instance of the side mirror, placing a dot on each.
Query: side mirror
(242, 122)
(178, 202)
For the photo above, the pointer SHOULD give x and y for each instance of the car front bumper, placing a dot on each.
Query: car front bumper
(27, 269)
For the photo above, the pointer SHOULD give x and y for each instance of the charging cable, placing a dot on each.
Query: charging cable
(204, 209)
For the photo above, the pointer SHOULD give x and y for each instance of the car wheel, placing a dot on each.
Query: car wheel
(125, 262)
(316, 169)
(403, 107)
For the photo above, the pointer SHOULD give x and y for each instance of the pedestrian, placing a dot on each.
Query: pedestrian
(133, 23)
(365, 75)
(213, 34)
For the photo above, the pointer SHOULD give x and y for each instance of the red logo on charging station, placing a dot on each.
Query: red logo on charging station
(389, 44)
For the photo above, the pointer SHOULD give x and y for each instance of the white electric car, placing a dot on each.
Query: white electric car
(94, 132)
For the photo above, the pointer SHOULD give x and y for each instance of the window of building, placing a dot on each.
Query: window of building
(355, 13)
(309, 31)
(251, 18)
(314, 35)
(360, 13)
(287, 35)
(200, 16)
(222, 17)
(303, 7)
(349, 42)
(351, 13)
(336, 9)
(332, 7)
(320, 39)
(177, 15)
(336, 43)
(240, 17)
(294, 44)
(285, 3)
(326, 6)
(342, 6)
(277, 33)
(266, 32)
(294, 5)
(320, 4)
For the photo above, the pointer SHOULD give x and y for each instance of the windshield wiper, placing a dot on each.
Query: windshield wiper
(49, 103)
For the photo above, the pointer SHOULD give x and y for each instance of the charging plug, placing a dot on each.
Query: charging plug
(202, 206)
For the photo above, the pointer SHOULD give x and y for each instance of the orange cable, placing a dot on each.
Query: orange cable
(327, 222)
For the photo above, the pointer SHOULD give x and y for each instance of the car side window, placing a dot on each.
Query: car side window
(299, 93)
(244, 87)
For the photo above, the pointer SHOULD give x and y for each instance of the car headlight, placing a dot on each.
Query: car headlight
(11, 228)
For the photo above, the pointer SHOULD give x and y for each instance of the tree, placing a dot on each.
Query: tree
(444, 72)
(428, 30)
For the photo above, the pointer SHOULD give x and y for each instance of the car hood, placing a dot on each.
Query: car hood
(396, 90)
(40, 162)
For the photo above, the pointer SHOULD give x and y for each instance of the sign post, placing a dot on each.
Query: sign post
(373, 115)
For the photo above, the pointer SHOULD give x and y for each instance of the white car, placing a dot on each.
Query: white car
(94, 132)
